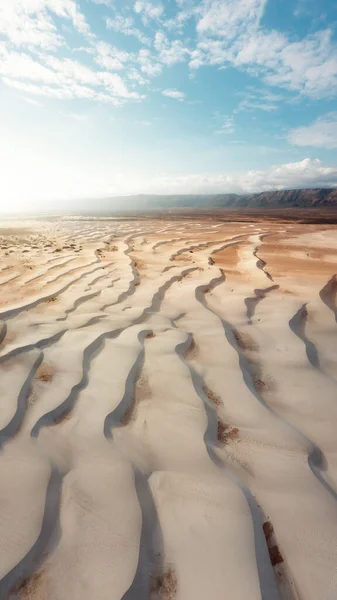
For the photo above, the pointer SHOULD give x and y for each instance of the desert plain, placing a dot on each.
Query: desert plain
(168, 412)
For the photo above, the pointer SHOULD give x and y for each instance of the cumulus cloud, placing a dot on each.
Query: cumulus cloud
(231, 34)
(30, 23)
(175, 94)
(321, 134)
(228, 19)
(148, 10)
(148, 63)
(109, 57)
(29, 64)
(169, 52)
(304, 174)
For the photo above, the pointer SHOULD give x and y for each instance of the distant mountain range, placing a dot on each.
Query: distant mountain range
(299, 198)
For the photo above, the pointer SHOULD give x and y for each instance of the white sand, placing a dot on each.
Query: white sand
(168, 410)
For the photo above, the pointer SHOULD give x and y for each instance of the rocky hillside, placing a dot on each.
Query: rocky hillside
(291, 198)
(301, 198)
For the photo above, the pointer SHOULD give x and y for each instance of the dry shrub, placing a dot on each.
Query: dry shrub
(259, 384)
(212, 396)
(139, 263)
(150, 335)
(263, 383)
(165, 585)
(65, 416)
(52, 299)
(274, 553)
(245, 341)
(29, 587)
(44, 373)
(226, 433)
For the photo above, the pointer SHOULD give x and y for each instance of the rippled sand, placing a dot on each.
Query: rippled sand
(168, 410)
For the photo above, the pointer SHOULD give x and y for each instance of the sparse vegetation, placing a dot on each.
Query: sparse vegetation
(44, 373)
(165, 585)
(273, 549)
(245, 341)
(28, 587)
(212, 396)
(227, 433)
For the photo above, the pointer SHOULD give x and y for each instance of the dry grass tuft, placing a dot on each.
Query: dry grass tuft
(274, 553)
(150, 335)
(29, 587)
(65, 416)
(165, 585)
(44, 373)
(212, 396)
(245, 341)
(139, 263)
(226, 433)
(52, 299)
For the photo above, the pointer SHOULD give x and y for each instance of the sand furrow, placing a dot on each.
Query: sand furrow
(167, 419)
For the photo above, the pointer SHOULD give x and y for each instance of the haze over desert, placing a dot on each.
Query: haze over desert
(168, 414)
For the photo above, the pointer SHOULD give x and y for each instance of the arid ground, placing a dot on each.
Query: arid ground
(168, 414)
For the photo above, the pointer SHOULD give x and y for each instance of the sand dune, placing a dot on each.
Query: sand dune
(168, 413)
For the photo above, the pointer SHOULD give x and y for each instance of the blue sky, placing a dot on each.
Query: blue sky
(108, 97)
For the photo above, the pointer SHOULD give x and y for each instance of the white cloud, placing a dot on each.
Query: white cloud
(148, 64)
(63, 78)
(321, 134)
(304, 174)
(63, 93)
(22, 66)
(148, 10)
(175, 94)
(179, 21)
(29, 22)
(109, 57)
(227, 19)
(169, 52)
(231, 34)
(126, 26)
(134, 75)
(107, 3)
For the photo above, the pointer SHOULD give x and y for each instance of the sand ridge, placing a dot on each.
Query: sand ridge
(168, 414)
